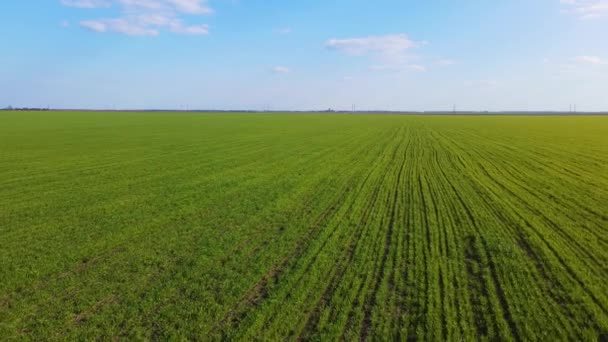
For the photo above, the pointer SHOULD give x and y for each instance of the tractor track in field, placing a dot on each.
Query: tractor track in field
(310, 263)
(366, 213)
(473, 262)
(471, 270)
(563, 262)
(350, 322)
(223, 260)
(258, 292)
(565, 235)
(495, 280)
(261, 286)
(572, 274)
(434, 198)
(314, 317)
(371, 303)
(502, 296)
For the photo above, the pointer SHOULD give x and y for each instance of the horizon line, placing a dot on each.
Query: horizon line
(442, 112)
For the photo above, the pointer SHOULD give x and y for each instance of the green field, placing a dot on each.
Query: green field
(266, 226)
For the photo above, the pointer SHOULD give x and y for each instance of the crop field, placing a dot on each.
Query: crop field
(160, 226)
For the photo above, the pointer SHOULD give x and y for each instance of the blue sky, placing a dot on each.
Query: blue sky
(301, 55)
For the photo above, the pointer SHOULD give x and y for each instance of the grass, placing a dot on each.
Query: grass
(241, 226)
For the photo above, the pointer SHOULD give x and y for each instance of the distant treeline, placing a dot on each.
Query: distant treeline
(26, 109)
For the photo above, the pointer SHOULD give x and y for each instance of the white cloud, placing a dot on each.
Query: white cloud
(586, 9)
(85, 3)
(281, 70)
(94, 25)
(149, 4)
(389, 46)
(194, 7)
(146, 17)
(579, 66)
(390, 52)
(589, 60)
(119, 25)
(191, 6)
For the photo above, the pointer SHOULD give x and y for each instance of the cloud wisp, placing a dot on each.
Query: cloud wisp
(145, 17)
(587, 9)
(593, 60)
(284, 30)
(281, 70)
(391, 52)
(86, 3)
